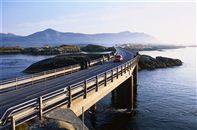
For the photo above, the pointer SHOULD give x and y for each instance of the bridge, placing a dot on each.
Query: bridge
(34, 96)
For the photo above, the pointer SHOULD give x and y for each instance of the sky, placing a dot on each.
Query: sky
(169, 22)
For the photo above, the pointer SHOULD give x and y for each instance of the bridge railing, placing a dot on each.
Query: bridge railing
(38, 106)
(38, 77)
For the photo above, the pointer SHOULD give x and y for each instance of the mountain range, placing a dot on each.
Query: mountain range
(53, 37)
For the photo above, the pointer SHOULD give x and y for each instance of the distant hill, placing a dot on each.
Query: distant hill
(53, 37)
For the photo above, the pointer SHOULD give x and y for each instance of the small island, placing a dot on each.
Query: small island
(63, 60)
(150, 63)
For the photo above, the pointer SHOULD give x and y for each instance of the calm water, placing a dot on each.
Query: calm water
(166, 100)
(13, 65)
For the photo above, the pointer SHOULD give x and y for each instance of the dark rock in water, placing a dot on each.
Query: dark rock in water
(58, 62)
(150, 63)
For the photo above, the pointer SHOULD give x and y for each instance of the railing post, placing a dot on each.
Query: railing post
(69, 96)
(121, 70)
(16, 83)
(108, 57)
(44, 75)
(128, 66)
(85, 89)
(105, 81)
(64, 70)
(32, 80)
(96, 83)
(71, 69)
(125, 68)
(112, 75)
(55, 72)
(13, 123)
(40, 107)
(117, 73)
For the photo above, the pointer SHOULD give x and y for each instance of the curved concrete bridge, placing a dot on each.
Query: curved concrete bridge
(76, 91)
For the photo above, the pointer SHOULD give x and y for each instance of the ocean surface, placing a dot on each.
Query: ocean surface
(12, 65)
(166, 98)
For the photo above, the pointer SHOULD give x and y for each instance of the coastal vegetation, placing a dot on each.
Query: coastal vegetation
(10, 49)
(97, 48)
(54, 50)
(46, 50)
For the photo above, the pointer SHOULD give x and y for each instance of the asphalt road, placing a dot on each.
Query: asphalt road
(15, 97)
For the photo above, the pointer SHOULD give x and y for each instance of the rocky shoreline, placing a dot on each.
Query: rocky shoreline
(54, 50)
(145, 63)
(149, 63)
(60, 61)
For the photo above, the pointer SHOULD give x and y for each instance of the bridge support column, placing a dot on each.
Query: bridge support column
(132, 94)
(113, 98)
(121, 95)
(124, 96)
(135, 77)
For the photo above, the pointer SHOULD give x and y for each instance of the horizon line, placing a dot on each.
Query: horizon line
(69, 32)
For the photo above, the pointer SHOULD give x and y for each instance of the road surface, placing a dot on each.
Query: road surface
(15, 97)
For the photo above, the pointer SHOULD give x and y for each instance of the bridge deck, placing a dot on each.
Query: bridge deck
(13, 98)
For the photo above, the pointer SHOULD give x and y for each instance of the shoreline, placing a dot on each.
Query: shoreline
(22, 69)
(54, 50)
(47, 51)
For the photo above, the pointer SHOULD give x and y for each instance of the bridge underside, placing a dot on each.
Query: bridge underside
(128, 80)
(123, 88)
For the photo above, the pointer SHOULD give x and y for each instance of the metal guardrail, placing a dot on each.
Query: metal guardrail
(38, 77)
(38, 106)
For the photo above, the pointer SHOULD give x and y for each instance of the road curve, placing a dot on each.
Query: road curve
(15, 97)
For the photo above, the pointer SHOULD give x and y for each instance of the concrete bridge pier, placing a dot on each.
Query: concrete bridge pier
(132, 94)
(124, 96)
(133, 80)
(135, 75)
(93, 116)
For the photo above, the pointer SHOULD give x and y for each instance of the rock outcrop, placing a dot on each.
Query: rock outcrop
(58, 119)
(58, 62)
(150, 63)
